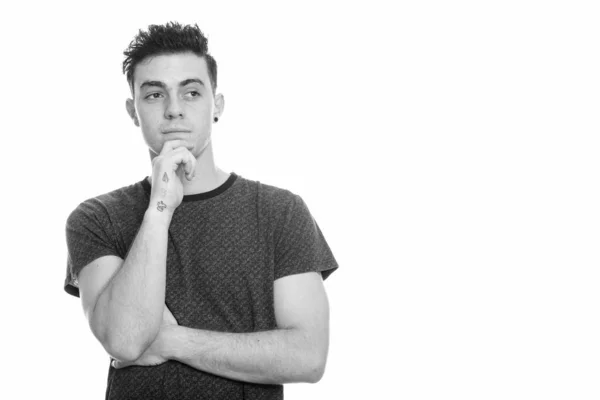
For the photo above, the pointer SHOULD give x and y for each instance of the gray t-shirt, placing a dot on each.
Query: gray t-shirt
(226, 248)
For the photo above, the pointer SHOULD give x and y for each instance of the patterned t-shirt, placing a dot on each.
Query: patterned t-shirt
(226, 247)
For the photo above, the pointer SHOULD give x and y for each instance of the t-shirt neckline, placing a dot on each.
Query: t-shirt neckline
(198, 196)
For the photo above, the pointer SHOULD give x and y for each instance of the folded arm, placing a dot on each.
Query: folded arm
(295, 352)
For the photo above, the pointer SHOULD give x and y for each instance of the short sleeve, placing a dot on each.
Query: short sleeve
(300, 246)
(89, 236)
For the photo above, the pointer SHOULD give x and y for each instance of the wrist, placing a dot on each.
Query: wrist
(157, 214)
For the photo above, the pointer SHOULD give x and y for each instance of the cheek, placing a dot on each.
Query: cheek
(204, 115)
(207, 124)
(148, 122)
(147, 113)
(150, 132)
(145, 125)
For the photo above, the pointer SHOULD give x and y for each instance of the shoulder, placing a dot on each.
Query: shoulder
(274, 199)
(281, 210)
(122, 200)
(278, 196)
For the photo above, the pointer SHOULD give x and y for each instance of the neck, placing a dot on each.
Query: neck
(208, 175)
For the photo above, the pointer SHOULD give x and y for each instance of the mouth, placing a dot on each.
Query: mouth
(166, 131)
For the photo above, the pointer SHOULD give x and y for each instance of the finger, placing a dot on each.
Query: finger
(171, 145)
(120, 364)
(191, 166)
(186, 161)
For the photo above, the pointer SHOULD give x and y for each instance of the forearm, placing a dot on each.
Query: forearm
(274, 357)
(130, 308)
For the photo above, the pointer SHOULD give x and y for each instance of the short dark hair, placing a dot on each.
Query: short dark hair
(171, 38)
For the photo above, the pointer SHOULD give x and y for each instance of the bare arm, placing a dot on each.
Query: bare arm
(295, 352)
(124, 300)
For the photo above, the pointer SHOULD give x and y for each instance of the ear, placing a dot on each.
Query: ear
(219, 105)
(131, 111)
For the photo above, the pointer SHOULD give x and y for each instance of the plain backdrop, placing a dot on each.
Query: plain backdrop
(447, 149)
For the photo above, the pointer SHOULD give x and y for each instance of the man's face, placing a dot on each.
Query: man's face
(173, 99)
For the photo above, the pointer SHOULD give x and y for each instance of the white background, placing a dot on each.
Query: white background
(448, 151)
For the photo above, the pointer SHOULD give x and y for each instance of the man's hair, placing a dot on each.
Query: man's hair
(171, 38)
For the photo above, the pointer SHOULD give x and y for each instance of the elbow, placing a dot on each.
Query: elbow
(123, 351)
(124, 339)
(126, 349)
(307, 367)
(126, 354)
(316, 373)
(315, 368)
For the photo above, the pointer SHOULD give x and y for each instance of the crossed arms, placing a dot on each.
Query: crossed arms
(123, 301)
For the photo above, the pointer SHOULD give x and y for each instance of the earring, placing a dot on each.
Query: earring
(216, 119)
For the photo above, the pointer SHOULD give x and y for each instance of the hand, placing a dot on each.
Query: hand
(155, 353)
(168, 168)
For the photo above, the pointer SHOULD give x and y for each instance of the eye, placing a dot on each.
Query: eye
(153, 96)
(193, 93)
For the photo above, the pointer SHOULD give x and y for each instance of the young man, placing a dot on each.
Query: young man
(200, 284)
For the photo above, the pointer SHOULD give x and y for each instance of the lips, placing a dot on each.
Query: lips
(176, 130)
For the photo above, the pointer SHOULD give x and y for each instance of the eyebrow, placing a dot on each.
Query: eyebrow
(163, 86)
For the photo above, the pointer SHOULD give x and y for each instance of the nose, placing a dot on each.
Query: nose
(173, 109)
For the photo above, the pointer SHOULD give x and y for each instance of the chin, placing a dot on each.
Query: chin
(200, 147)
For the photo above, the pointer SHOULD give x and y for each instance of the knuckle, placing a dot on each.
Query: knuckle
(157, 160)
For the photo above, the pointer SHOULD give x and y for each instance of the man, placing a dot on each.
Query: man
(200, 284)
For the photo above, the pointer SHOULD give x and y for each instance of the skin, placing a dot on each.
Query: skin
(295, 352)
(168, 92)
(173, 100)
(168, 96)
